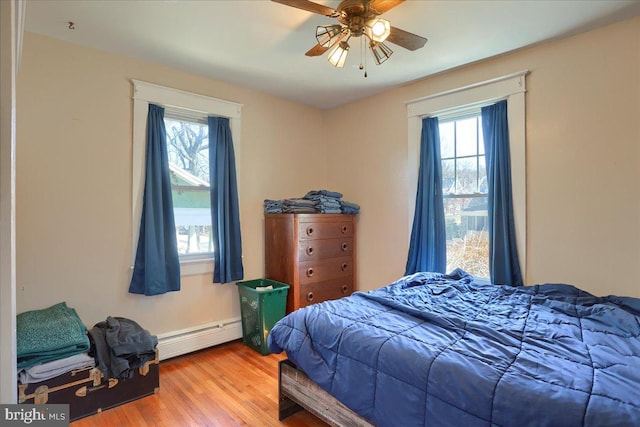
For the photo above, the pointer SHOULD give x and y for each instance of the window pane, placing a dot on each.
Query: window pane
(188, 147)
(447, 140)
(466, 137)
(448, 176)
(482, 176)
(193, 239)
(467, 176)
(480, 137)
(467, 236)
(188, 150)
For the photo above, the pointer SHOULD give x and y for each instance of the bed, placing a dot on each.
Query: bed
(451, 350)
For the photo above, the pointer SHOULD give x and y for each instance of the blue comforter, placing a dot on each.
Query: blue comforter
(441, 350)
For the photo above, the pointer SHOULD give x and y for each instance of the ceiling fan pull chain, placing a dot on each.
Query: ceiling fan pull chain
(361, 54)
(363, 57)
(364, 47)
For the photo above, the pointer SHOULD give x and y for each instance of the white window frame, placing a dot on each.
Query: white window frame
(511, 87)
(148, 93)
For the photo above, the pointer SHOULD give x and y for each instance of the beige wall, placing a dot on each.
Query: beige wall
(74, 183)
(74, 172)
(9, 61)
(583, 161)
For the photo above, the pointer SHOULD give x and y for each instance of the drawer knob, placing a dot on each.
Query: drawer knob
(310, 231)
(344, 289)
(345, 246)
(309, 272)
(344, 229)
(310, 296)
(344, 266)
(310, 250)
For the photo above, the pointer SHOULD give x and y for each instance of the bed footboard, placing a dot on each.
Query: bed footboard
(297, 391)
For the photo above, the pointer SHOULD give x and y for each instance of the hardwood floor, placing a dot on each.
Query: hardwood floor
(227, 385)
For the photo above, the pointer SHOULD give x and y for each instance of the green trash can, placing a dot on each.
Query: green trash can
(262, 303)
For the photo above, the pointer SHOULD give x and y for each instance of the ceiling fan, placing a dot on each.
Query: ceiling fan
(357, 18)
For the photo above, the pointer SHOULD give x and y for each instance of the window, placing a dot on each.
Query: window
(187, 145)
(188, 151)
(454, 106)
(464, 188)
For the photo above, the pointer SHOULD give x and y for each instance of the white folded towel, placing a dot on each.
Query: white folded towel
(47, 370)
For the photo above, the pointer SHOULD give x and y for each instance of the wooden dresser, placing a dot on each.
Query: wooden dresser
(313, 253)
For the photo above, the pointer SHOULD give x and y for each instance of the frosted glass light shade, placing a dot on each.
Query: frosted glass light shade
(338, 56)
(327, 34)
(380, 51)
(379, 29)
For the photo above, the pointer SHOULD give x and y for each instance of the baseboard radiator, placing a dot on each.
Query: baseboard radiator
(176, 343)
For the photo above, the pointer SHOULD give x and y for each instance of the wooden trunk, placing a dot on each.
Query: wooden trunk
(87, 391)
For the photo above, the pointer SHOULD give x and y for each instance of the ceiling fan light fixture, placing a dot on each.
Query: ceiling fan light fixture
(379, 29)
(338, 56)
(356, 18)
(328, 34)
(380, 51)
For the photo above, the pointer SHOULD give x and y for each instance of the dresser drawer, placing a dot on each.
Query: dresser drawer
(318, 271)
(324, 230)
(312, 293)
(310, 250)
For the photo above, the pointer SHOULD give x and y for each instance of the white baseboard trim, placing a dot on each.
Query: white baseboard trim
(177, 343)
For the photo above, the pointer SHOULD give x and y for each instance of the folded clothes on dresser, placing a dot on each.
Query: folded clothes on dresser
(349, 208)
(298, 205)
(326, 193)
(273, 206)
(315, 201)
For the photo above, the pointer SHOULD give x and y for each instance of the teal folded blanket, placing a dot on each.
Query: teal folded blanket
(49, 334)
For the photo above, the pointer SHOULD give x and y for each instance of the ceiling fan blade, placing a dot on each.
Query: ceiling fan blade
(381, 6)
(406, 39)
(310, 6)
(318, 49)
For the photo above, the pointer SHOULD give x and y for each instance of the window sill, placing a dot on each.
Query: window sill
(192, 267)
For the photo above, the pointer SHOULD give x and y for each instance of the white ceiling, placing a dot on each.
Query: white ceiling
(260, 44)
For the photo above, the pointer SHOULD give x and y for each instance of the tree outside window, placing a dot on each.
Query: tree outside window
(188, 150)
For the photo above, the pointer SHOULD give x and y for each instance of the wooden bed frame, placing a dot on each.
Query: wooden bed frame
(297, 391)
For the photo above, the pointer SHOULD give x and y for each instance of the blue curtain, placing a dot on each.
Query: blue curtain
(225, 215)
(157, 268)
(428, 248)
(504, 266)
